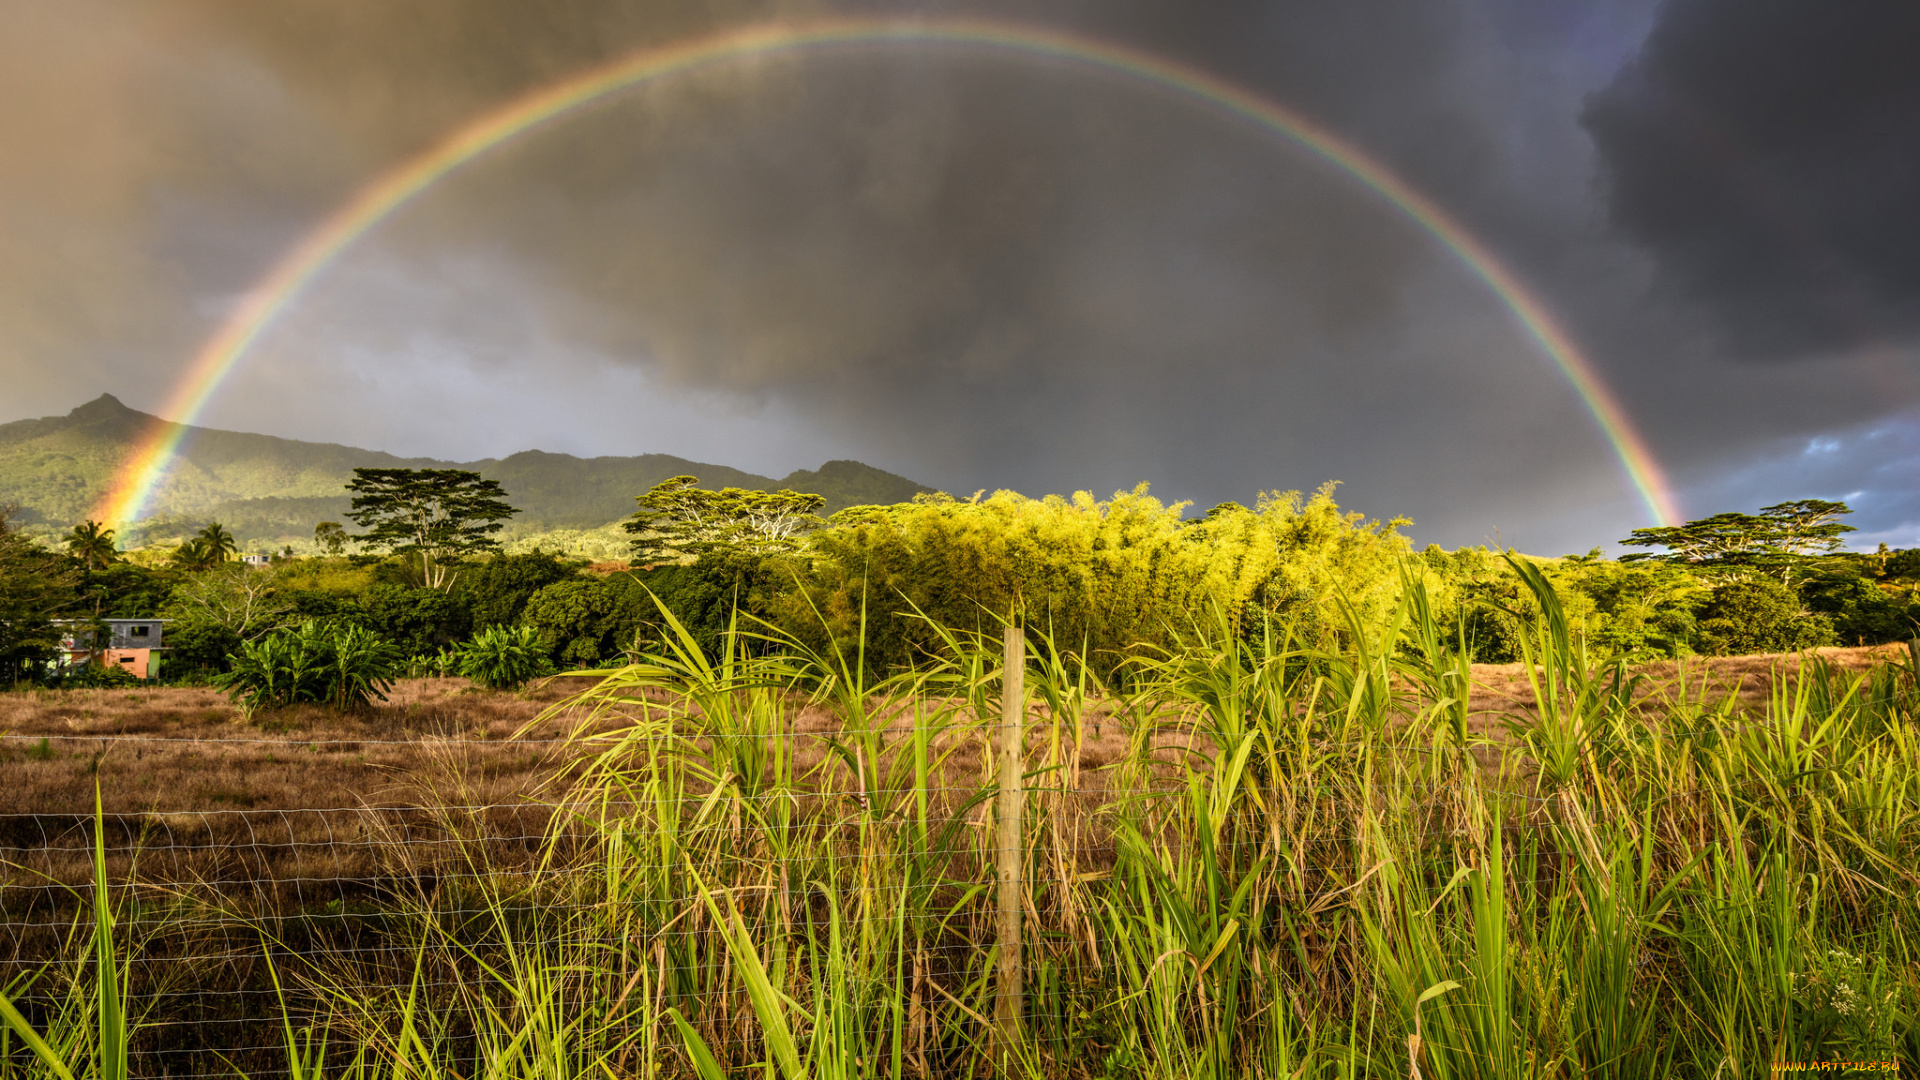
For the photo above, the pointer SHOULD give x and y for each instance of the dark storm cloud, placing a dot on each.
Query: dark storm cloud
(155, 158)
(993, 272)
(977, 270)
(1767, 152)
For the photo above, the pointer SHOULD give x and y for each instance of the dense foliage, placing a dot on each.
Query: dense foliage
(503, 657)
(36, 586)
(1111, 579)
(340, 665)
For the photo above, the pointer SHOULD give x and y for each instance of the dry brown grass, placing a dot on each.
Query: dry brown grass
(174, 750)
(318, 826)
(178, 749)
(341, 804)
(325, 796)
(1502, 689)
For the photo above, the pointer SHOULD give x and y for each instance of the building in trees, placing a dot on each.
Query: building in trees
(130, 645)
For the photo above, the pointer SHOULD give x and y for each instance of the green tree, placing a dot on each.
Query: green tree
(1783, 540)
(498, 590)
(92, 544)
(418, 620)
(1490, 599)
(1862, 612)
(1759, 615)
(679, 521)
(1904, 565)
(702, 596)
(1642, 610)
(36, 586)
(573, 621)
(195, 553)
(199, 644)
(134, 591)
(440, 515)
(331, 537)
(217, 542)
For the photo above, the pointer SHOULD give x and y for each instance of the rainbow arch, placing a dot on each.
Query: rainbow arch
(144, 470)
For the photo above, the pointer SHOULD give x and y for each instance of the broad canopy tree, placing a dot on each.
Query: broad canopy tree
(1780, 541)
(441, 515)
(678, 521)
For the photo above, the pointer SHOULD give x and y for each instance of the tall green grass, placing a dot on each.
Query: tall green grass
(1307, 861)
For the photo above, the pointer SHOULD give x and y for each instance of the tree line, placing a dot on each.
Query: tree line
(424, 577)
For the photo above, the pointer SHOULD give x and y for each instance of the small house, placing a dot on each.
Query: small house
(132, 645)
(256, 560)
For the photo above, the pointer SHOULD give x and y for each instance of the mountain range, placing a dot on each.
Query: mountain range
(271, 491)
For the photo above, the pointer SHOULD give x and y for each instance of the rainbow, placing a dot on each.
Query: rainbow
(147, 466)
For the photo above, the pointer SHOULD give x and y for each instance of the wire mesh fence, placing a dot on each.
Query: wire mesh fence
(232, 920)
(235, 923)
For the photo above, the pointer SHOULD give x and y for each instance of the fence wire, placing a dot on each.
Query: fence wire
(207, 899)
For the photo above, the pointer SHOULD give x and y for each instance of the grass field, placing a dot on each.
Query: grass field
(1259, 859)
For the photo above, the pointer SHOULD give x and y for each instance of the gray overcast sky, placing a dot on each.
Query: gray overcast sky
(986, 271)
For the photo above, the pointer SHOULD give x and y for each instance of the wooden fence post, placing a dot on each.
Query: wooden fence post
(1009, 1006)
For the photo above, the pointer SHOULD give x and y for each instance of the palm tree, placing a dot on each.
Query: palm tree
(92, 543)
(196, 554)
(219, 542)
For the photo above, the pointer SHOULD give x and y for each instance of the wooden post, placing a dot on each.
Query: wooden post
(1010, 1006)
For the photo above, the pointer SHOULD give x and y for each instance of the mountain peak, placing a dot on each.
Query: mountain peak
(104, 407)
(854, 483)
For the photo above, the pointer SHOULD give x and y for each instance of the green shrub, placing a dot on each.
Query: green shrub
(341, 665)
(503, 657)
(419, 621)
(1862, 612)
(1760, 616)
(574, 621)
(199, 645)
(92, 677)
(497, 591)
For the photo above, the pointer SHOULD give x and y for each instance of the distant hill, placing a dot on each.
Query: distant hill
(270, 491)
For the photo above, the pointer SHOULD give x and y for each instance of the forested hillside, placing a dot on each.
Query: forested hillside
(269, 491)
